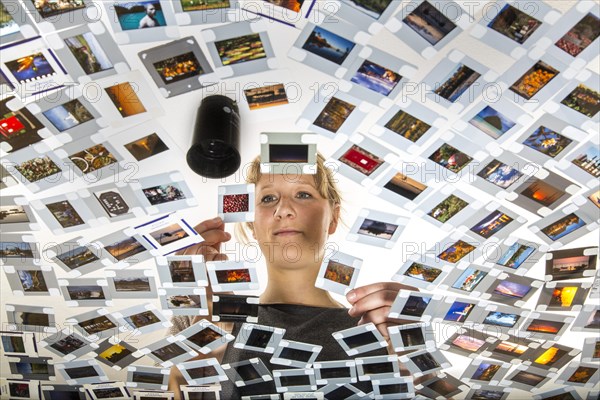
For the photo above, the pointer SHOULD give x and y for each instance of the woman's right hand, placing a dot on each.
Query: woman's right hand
(213, 233)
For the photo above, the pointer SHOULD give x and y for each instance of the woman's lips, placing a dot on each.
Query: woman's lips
(286, 232)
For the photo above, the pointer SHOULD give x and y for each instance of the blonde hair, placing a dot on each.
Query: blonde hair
(324, 183)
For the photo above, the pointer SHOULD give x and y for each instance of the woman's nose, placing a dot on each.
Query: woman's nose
(284, 208)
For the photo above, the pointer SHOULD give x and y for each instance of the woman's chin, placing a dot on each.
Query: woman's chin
(295, 239)
(292, 260)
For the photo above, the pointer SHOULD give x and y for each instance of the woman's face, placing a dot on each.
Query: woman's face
(292, 221)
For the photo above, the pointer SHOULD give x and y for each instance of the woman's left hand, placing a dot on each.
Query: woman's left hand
(372, 303)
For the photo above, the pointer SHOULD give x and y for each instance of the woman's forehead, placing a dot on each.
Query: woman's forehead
(275, 180)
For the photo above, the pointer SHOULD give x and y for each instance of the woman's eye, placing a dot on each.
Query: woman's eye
(268, 198)
(304, 195)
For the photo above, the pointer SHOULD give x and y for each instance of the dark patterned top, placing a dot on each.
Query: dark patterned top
(313, 325)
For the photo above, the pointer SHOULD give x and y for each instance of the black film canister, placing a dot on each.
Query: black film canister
(215, 145)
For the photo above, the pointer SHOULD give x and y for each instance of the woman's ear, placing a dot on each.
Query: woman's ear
(251, 227)
(335, 218)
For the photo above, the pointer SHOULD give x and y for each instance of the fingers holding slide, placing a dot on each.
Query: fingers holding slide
(213, 233)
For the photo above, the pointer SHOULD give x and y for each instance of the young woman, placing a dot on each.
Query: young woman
(294, 216)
